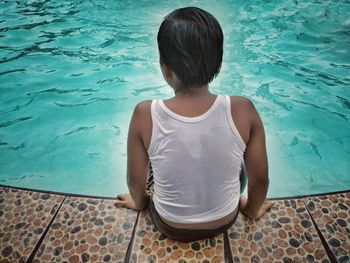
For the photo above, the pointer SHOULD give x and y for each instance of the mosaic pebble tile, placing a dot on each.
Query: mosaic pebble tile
(88, 230)
(332, 216)
(24, 216)
(285, 234)
(151, 246)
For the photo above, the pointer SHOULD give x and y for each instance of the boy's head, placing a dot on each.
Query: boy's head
(190, 42)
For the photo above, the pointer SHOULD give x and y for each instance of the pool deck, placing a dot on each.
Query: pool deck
(40, 226)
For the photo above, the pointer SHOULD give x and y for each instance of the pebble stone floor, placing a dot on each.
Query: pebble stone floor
(54, 227)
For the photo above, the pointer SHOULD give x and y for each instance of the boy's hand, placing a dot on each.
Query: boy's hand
(126, 201)
(251, 214)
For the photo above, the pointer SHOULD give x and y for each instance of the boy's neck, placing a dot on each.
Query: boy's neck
(193, 92)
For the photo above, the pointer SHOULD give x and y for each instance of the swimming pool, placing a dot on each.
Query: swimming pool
(71, 73)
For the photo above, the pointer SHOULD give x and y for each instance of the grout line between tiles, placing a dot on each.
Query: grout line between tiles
(38, 244)
(329, 252)
(227, 249)
(129, 250)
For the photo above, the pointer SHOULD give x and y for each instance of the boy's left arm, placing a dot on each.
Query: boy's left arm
(138, 162)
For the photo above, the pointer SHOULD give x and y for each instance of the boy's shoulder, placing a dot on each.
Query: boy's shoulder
(143, 107)
(142, 117)
(243, 109)
(241, 103)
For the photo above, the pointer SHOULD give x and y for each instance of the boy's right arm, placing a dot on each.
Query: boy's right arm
(255, 158)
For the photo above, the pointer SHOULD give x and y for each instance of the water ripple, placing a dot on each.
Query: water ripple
(263, 91)
(30, 50)
(8, 123)
(107, 43)
(304, 71)
(315, 150)
(115, 79)
(17, 107)
(61, 91)
(12, 70)
(70, 105)
(31, 25)
(345, 102)
(294, 142)
(15, 148)
(138, 92)
(20, 178)
(92, 100)
(63, 33)
(77, 130)
(322, 108)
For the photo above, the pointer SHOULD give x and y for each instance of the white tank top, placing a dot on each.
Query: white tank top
(196, 163)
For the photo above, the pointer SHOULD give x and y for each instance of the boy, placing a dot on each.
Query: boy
(196, 142)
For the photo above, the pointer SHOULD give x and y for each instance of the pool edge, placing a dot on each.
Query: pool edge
(113, 198)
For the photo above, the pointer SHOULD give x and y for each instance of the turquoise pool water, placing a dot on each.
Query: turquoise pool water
(71, 73)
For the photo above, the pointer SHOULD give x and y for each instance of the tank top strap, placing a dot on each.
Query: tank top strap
(234, 129)
(154, 126)
(160, 106)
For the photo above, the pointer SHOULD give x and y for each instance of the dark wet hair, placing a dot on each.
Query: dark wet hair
(190, 42)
